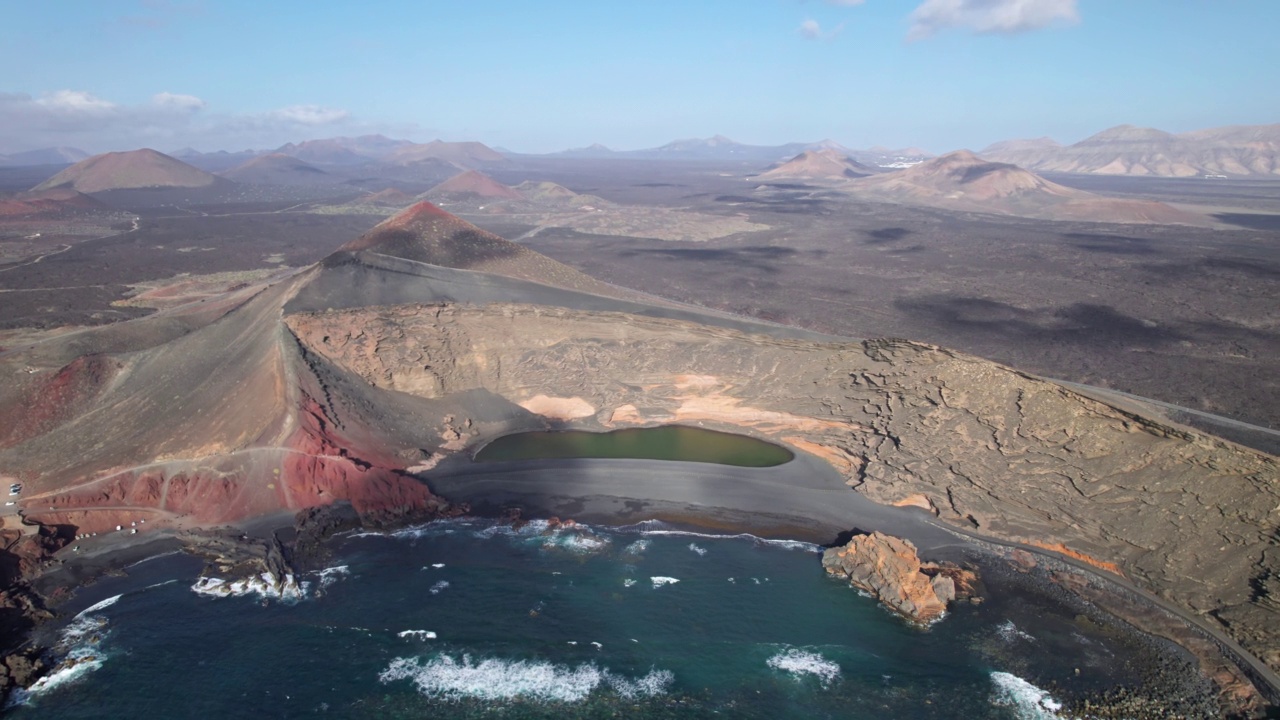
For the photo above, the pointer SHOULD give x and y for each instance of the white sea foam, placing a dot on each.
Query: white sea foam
(438, 587)
(1027, 701)
(101, 605)
(437, 566)
(659, 581)
(657, 529)
(331, 575)
(695, 548)
(265, 585)
(575, 542)
(628, 582)
(494, 679)
(1009, 632)
(637, 547)
(417, 634)
(802, 662)
(80, 647)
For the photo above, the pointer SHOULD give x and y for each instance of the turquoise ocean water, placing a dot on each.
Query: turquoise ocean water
(472, 619)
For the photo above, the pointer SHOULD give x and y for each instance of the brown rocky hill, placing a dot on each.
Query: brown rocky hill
(278, 169)
(469, 185)
(366, 378)
(963, 181)
(144, 168)
(824, 164)
(1128, 150)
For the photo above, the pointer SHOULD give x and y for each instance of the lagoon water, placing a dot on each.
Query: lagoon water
(666, 442)
(466, 618)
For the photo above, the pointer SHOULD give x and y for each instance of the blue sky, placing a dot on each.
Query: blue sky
(543, 76)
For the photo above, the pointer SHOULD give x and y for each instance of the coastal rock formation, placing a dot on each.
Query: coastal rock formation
(890, 570)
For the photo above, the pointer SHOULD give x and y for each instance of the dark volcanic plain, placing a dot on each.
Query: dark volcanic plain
(1189, 316)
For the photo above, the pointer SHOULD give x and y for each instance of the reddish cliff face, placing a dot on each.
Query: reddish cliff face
(889, 569)
(323, 467)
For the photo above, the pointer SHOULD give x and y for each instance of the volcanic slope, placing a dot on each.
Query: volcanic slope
(135, 169)
(278, 169)
(356, 378)
(825, 164)
(470, 185)
(963, 181)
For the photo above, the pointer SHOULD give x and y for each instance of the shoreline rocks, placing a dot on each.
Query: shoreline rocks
(890, 570)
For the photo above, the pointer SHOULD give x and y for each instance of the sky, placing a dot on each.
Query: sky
(546, 75)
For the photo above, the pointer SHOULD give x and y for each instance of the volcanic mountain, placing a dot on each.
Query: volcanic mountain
(59, 202)
(367, 378)
(388, 197)
(963, 181)
(129, 170)
(825, 164)
(1023, 153)
(471, 185)
(343, 150)
(1129, 150)
(278, 169)
(462, 154)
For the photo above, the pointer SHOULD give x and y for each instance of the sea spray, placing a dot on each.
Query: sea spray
(1027, 701)
(801, 663)
(494, 679)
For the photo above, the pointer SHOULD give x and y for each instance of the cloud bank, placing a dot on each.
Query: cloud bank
(989, 16)
(166, 122)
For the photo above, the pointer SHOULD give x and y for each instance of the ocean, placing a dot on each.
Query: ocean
(469, 618)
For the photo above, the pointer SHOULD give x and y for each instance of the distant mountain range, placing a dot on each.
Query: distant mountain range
(1245, 150)
(964, 182)
(720, 148)
(45, 156)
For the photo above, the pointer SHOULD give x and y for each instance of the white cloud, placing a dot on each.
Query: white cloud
(990, 16)
(75, 102)
(310, 115)
(846, 3)
(185, 103)
(812, 30)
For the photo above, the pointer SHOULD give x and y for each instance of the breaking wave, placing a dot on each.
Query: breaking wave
(802, 662)
(446, 678)
(1027, 701)
(659, 528)
(80, 648)
(329, 576)
(1009, 632)
(265, 586)
(417, 634)
(660, 581)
